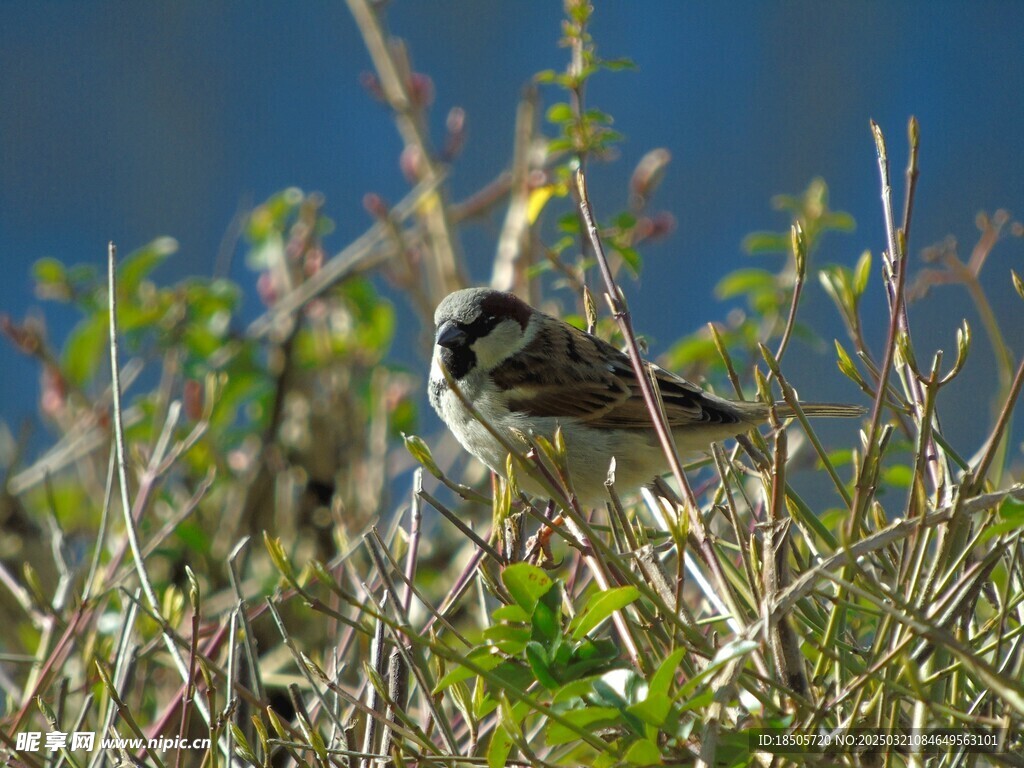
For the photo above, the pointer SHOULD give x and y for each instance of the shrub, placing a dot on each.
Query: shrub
(718, 622)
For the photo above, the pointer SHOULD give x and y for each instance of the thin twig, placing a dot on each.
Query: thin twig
(242, 608)
(101, 535)
(122, 476)
(445, 273)
(914, 139)
(897, 294)
(658, 419)
(782, 640)
(809, 580)
(377, 665)
(415, 518)
(799, 243)
(515, 232)
(996, 437)
(466, 531)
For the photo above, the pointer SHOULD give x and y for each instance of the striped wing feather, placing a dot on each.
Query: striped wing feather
(598, 385)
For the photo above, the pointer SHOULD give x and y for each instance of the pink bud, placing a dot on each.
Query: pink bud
(411, 163)
(370, 82)
(266, 289)
(375, 205)
(421, 89)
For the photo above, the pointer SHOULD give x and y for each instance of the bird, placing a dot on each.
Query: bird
(527, 373)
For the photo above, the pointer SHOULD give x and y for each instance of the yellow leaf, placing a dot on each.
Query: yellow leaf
(538, 199)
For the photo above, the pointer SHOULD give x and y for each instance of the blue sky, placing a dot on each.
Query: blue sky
(129, 121)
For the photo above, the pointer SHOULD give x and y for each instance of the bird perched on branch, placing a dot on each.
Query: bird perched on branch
(527, 373)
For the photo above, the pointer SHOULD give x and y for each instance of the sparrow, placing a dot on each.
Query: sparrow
(527, 373)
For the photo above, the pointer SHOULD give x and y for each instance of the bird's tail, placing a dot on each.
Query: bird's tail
(755, 412)
(819, 410)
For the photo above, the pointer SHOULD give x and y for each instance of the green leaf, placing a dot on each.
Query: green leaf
(193, 536)
(84, 349)
(560, 113)
(657, 703)
(631, 258)
(569, 222)
(698, 702)
(508, 639)
(421, 452)
(840, 457)
(837, 285)
(512, 613)
(644, 752)
(538, 661)
(513, 674)
(499, 748)
(1012, 511)
(483, 657)
(899, 476)
(840, 221)
(242, 748)
(201, 342)
(560, 144)
(211, 300)
(844, 361)
(1011, 516)
(483, 702)
(573, 691)
(1018, 284)
(560, 653)
(861, 273)
(625, 220)
(85, 273)
(605, 138)
(463, 700)
(663, 677)
(787, 203)
(590, 658)
(652, 710)
(609, 695)
(49, 271)
(589, 718)
(726, 653)
(579, 12)
(526, 584)
(279, 557)
(696, 348)
(137, 265)
(616, 65)
(547, 617)
(846, 366)
(599, 607)
(758, 243)
(745, 281)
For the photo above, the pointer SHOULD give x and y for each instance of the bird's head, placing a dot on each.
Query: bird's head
(479, 327)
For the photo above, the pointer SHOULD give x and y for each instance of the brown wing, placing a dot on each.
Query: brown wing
(538, 386)
(599, 387)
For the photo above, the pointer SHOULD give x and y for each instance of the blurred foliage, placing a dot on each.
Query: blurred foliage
(767, 295)
(644, 633)
(300, 402)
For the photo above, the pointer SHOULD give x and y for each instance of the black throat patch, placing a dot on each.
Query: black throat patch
(459, 360)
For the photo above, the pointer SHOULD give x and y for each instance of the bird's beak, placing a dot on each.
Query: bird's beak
(449, 335)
